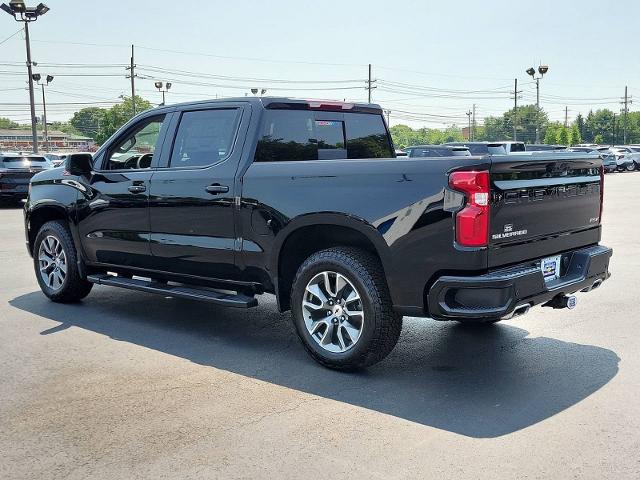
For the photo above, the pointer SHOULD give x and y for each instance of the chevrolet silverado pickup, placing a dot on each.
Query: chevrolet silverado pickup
(225, 200)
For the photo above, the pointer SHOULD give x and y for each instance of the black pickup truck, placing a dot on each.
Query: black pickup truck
(222, 201)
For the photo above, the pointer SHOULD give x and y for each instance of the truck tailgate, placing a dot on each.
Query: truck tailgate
(543, 204)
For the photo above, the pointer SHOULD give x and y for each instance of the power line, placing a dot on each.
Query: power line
(11, 36)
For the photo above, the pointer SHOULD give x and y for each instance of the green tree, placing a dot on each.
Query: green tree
(525, 119)
(562, 135)
(118, 115)
(8, 123)
(551, 133)
(87, 121)
(64, 127)
(576, 136)
(598, 139)
(404, 136)
(600, 124)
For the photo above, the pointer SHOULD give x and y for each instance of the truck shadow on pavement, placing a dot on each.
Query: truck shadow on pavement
(480, 383)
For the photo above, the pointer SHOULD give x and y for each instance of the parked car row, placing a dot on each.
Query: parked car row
(17, 168)
(615, 158)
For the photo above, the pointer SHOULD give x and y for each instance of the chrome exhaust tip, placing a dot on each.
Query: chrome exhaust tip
(593, 286)
(518, 311)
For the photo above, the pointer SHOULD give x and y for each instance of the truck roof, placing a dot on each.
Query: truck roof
(290, 104)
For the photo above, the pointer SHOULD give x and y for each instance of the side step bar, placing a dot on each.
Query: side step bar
(179, 291)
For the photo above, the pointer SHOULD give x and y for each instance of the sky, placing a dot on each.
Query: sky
(431, 61)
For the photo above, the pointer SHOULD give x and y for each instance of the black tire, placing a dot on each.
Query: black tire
(74, 287)
(631, 168)
(381, 327)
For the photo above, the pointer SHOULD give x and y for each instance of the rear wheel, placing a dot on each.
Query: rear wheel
(631, 167)
(55, 263)
(342, 309)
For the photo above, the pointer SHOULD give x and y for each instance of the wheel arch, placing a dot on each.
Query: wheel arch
(311, 233)
(40, 214)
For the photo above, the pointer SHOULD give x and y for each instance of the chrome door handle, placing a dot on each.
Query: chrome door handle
(214, 189)
(137, 188)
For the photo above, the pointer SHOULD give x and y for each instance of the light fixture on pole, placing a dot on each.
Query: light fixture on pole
(21, 13)
(45, 83)
(164, 88)
(261, 91)
(542, 69)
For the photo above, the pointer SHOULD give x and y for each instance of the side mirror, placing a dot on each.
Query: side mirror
(79, 163)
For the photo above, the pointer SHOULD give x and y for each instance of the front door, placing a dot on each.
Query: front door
(192, 198)
(114, 217)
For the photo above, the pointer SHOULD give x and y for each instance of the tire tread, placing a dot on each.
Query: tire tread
(388, 323)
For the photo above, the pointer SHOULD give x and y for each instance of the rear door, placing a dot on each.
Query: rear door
(193, 195)
(543, 204)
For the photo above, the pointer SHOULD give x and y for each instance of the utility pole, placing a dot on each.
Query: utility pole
(370, 83)
(515, 108)
(132, 68)
(468, 114)
(566, 116)
(388, 112)
(626, 100)
(613, 136)
(473, 124)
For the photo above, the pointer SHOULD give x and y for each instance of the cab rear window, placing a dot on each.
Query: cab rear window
(21, 162)
(305, 135)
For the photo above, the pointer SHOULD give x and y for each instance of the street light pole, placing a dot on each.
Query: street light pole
(542, 69)
(44, 119)
(48, 79)
(538, 110)
(32, 101)
(159, 86)
(21, 13)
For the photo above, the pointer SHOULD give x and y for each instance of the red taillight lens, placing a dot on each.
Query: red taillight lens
(472, 222)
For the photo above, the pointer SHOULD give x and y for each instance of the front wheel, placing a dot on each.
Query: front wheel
(55, 263)
(631, 167)
(342, 309)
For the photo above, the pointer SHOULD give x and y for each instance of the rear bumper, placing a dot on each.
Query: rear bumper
(496, 294)
(14, 189)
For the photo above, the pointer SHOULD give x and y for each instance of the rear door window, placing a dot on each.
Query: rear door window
(478, 149)
(204, 137)
(367, 136)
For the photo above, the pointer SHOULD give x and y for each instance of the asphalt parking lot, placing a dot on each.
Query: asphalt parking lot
(129, 385)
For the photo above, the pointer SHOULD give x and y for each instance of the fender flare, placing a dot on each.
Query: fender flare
(331, 219)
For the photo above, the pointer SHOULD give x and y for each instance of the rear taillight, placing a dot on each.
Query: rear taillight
(472, 222)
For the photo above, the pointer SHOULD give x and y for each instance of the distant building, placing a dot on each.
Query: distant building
(466, 133)
(22, 140)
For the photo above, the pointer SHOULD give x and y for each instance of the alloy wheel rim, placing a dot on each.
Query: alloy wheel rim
(52, 262)
(333, 312)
